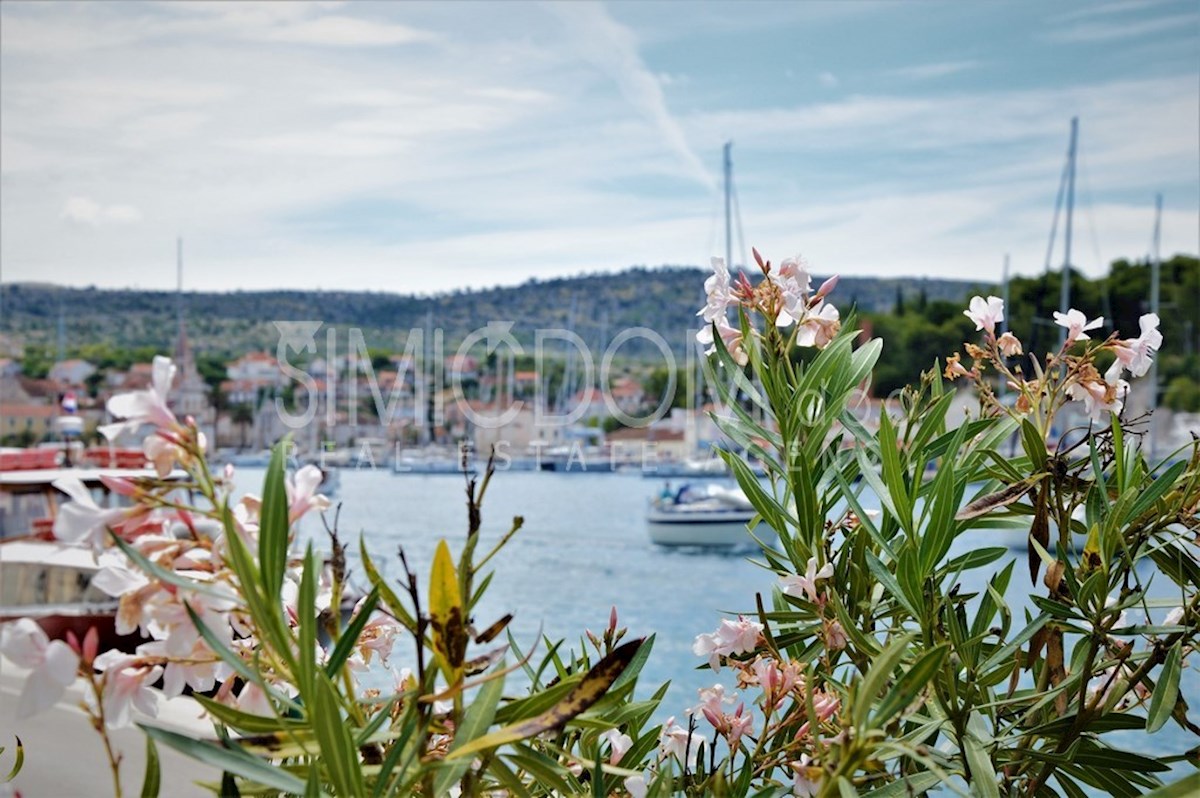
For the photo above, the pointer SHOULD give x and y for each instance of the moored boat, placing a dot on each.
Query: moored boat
(711, 516)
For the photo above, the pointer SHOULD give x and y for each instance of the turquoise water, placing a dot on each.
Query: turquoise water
(584, 549)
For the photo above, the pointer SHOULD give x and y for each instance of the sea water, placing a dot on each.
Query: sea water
(584, 549)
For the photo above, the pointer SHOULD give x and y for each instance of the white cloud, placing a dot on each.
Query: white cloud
(828, 80)
(939, 69)
(1112, 30)
(338, 31)
(600, 39)
(86, 211)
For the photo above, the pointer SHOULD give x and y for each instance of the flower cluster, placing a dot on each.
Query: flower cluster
(784, 298)
(200, 591)
(1063, 375)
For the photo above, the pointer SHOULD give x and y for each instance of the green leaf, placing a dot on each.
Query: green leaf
(476, 720)
(1166, 692)
(246, 723)
(307, 622)
(338, 752)
(1187, 787)
(386, 594)
(1034, 445)
(1150, 495)
(274, 524)
(590, 689)
(908, 786)
(909, 686)
(345, 644)
(983, 774)
(152, 781)
(18, 763)
(878, 677)
(228, 759)
(893, 473)
(888, 580)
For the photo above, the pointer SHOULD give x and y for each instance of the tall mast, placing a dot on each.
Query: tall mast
(728, 164)
(179, 284)
(1064, 301)
(1155, 267)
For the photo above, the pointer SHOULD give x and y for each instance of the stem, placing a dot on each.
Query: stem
(98, 722)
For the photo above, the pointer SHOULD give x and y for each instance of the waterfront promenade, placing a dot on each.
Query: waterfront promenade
(64, 757)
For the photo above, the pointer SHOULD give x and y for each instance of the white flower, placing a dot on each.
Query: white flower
(732, 637)
(1077, 324)
(808, 777)
(83, 521)
(718, 291)
(986, 313)
(732, 336)
(302, 492)
(197, 669)
(637, 785)
(144, 407)
(678, 742)
(52, 664)
(127, 681)
(618, 744)
(818, 326)
(806, 585)
(1099, 397)
(1137, 354)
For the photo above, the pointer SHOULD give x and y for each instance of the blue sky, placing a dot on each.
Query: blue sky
(419, 148)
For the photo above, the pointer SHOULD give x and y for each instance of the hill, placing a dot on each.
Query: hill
(596, 306)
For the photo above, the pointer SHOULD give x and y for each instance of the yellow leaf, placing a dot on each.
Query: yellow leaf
(446, 614)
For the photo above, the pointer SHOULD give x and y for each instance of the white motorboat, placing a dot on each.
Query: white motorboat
(708, 516)
(43, 578)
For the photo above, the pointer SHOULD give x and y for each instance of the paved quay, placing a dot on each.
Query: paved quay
(64, 756)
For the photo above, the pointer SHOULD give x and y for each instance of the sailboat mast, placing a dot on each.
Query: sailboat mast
(1155, 275)
(728, 164)
(1064, 300)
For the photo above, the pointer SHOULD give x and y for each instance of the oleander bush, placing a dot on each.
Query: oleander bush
(869, 669)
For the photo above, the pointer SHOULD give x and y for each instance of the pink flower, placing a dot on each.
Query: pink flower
(144, 407)
(636, 785)
(126, 686)
(825, 705)
(835, 636)
(618, 744)
(718, 291)
(732, 637)
(986, 313)
(1010, 345)
(52, 664)
(378, 637)
(1076, 324)
(711, 704)
(806, 585)
(775, 679)
(740, 724)
(302, 492)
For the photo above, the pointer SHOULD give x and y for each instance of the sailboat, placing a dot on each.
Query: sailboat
(713, 515)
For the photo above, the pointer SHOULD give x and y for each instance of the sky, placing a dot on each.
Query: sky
(424, 148)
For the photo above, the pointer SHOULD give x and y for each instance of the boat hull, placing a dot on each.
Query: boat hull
(706, 529)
